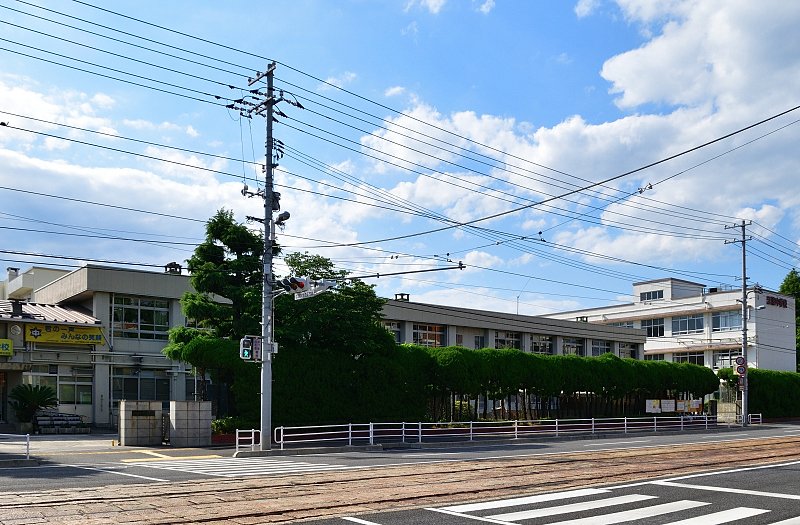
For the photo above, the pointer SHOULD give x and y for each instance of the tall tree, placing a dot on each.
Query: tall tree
(791, 286)
(225, 272)
(228, 264)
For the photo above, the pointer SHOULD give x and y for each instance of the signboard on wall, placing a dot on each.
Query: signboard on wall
(64, 334)
(653, 406)
(668, 405)
(6, 347)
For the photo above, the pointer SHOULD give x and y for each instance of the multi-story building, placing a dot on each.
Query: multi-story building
(123, 316)
(127, 312)
(689, 322)
(434, 325)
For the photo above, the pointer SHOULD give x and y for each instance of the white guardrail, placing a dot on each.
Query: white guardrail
(377, 433)
(16, 444)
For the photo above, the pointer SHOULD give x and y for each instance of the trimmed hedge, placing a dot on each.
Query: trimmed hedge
(416, 383)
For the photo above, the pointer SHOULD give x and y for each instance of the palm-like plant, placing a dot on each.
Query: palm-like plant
(29, 399)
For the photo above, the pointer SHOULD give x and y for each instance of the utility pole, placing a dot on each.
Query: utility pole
(271, 204)
(743, 378)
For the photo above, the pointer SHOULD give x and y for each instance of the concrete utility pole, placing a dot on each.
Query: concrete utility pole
(271, 204)
(743, 378)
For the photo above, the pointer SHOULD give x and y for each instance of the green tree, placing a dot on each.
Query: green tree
(226, 272)
(227, 265)
(791, 286)
(336, 360)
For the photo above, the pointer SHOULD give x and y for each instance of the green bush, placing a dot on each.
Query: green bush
(228, 425)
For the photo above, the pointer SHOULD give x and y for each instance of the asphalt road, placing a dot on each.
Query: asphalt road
(755, 495)
(92, 461)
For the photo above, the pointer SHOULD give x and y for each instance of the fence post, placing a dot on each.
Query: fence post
(420, 431)
(349, 434)
(556, 427)
(681, 423)
(625, 425)
(470, 430)
(592, 426)
(403, 433)
(516, 429)
(705, 416)
(655, 424)
(27, 446)
(371, 434)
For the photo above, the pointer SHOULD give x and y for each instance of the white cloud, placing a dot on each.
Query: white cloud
(411, 29)
(486, 7)
(103, 101)
(711, 52)
(433, 6)
(563, 58)
(339, 81)
(585, 8)
(394, 91)
(192, 132)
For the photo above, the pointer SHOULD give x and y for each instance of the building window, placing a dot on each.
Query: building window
(507, 340)
(71, 389)
(136, 384)
(429, 334)
(627, 350)
(695, 358)
(687, 324)
(574, 346)
(622, 324)
(652, 295)
(480, 342)
(724, 321)
(654, 357)
(76, 389)
(653, 327)
(600, 347)
(541, 344)
(459, 339)
(394, 328)
(725, 358)
(140, 317)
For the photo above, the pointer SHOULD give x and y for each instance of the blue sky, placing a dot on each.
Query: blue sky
(456, 109)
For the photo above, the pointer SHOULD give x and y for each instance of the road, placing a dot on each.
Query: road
(81, 481)
(759, 495)
(92, 462)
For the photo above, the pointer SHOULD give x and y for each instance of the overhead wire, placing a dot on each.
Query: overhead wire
(238, 50)
(172, 46)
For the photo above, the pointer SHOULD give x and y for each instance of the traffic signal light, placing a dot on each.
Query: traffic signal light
(246, 348)
(295, 284)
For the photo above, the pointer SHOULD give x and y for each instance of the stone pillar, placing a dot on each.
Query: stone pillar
(190, 423)
(140, 423)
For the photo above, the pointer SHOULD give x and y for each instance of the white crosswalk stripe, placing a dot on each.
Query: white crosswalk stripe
(635, 514)
(599, 501)
(718, 518)
(239, 467)
(572, 507)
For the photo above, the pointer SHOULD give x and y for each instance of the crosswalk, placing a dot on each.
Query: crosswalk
(603, 507)
(238, 467)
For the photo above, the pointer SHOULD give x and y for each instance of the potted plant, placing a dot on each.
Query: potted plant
(27, 400)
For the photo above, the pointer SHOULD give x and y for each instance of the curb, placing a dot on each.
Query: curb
(307, 451)
(14, 463)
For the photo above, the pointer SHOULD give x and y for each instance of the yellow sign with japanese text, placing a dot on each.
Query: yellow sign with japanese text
(64, 334)
(6, 347)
